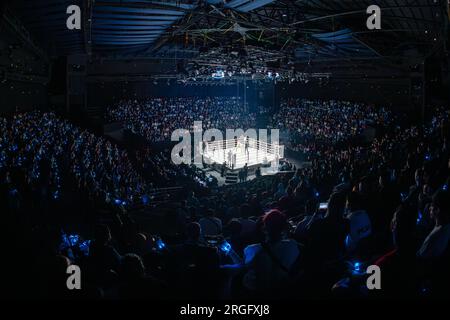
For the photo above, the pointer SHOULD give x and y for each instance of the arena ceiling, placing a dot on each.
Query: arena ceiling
(300, 31)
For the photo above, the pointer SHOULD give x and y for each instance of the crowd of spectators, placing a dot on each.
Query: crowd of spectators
(306, 234)
(160, 171)
(315, 125)
(156, 118)
(41, 154)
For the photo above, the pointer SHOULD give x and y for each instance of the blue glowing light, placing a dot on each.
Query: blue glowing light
(84, 247)
(118, 202)
(419, 217)
(427, 157)
(225, 247)
(357, 266)
(445, 187)
(73, 239)
(347, 241)
(145, 200)
(160, 245)
(65, 241)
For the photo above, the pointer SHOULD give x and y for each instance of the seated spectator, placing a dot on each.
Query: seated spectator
(269, 263)
(398, 265)
(195, 264)
(233, 231)
(193, 252)
(56, 286)
(437, 242)
(313, 214)
(322, 248)
(210, 225)
(248, 225)
(135, 283)
(192, 200)
(388, 199)
(139, 245)
(359, 222)
(281, 191)
(103, 257)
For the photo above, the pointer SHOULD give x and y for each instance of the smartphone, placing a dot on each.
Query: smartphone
(323, 206)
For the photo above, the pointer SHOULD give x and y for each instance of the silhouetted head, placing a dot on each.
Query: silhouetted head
(403, 225)
(418, 177)
(140, 242)
(132, 266)
(102, 234)
(58, 265)
(336, 206)
(244, 210)
(209, 213)
(440, 207)
(234, 227)
(193, 231)
(363, 185)
(354, 201)
(274, 224)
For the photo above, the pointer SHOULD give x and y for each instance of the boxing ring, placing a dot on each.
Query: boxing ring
(235, 153)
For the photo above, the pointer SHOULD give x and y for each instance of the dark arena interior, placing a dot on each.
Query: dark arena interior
(208, 151)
